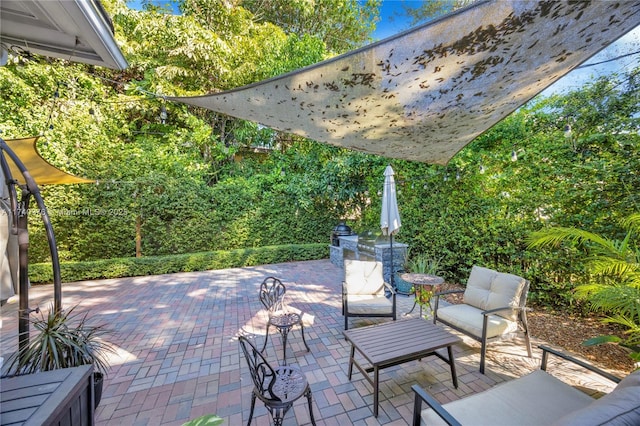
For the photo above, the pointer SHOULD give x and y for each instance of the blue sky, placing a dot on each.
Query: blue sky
(627, 44)
(391, 19)
(390, 23)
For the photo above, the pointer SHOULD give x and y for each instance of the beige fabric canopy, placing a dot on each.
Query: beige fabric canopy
(426, 93)
(12, 262)
(43, 173)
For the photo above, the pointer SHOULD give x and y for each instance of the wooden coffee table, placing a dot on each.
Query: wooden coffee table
(397, 342)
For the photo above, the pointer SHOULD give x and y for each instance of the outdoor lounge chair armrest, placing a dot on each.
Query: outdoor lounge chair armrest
(422, 395)
(436, 299)
(546, 350)
(390, 288)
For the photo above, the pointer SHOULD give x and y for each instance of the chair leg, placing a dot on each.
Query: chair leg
(309, 398)
(528, 343)
(266, 338)
(303, 339)
(253, 404)
(483, 348)
(525, 328)
(435, 309)
(278, 413)
(284, 332)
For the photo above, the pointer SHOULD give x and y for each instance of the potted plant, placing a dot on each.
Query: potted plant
(402, 286)
(421, 263)
(65, 339)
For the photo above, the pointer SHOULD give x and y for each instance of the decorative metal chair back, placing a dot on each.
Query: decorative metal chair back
(272, 293)
(278, 388)
(262, 374)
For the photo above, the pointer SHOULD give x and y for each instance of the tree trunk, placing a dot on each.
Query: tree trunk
(138, 236)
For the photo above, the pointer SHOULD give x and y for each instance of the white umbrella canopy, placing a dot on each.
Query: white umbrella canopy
(389, 216)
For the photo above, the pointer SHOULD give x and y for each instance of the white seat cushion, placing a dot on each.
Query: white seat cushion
(469, 319)
(532, 400)
(368, 304)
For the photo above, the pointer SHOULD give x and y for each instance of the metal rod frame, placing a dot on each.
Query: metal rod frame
(20, 213)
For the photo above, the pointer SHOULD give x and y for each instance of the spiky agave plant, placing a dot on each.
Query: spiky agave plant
(64, 339)
(613, 282)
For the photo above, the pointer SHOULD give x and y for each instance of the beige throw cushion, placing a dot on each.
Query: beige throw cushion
(488, 289)
(620, 407)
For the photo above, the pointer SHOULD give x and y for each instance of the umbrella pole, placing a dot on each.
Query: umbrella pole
(391, 260)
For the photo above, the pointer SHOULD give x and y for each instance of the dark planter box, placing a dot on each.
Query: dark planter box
(58, 397)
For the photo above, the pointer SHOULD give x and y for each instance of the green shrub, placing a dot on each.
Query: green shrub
(155, 265)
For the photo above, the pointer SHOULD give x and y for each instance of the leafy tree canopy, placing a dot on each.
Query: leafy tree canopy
(210, 47)
(428, 10)
(342, 25)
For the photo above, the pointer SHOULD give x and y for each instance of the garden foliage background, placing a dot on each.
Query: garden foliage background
(199, 181)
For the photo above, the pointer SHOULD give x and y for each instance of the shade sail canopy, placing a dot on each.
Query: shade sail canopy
(42, 172)
(426, 93)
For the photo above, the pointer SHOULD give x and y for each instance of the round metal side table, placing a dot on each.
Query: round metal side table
(421, 283)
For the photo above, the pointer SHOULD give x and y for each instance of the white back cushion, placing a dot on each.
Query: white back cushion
(362, 277)
(478, 287)
(488, 289)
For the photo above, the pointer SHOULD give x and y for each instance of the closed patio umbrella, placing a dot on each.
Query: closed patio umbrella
(390, 216)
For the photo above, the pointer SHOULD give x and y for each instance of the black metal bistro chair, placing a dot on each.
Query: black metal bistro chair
(272, 293)
(278, 388)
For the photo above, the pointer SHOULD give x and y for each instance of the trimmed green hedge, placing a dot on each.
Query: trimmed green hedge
(41, 273)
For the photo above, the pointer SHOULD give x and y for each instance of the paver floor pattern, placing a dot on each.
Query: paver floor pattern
(178, 355)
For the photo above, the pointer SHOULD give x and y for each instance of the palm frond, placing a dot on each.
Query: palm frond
(632, 222)
(601, 340)
(621, 301)
(611, 267)
(553, 237)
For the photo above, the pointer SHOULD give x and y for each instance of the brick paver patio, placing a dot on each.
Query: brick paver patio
(179, 358)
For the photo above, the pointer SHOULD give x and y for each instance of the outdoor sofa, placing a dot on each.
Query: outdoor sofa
(535, 399)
